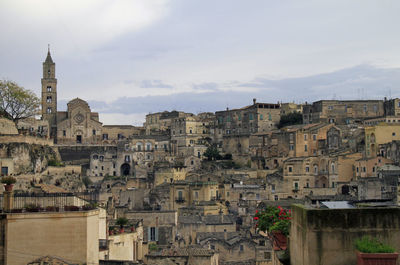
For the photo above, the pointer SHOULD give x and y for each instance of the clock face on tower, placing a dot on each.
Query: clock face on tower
(79, 118)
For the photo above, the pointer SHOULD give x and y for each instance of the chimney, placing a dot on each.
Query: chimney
(254, 100)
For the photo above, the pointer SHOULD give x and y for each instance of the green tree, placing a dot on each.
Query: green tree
(17, 102)
(290, 119)
(212, 153)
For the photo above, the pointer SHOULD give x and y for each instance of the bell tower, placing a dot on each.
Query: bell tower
(49, 94)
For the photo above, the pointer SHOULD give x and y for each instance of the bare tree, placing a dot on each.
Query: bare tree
(17, 102)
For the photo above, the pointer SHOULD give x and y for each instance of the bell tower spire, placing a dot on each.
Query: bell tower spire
(49, 94)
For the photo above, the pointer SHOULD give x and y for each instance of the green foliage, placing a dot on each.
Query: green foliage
(227, 157)
(273, 219)
(372, 245)
(212, 153)
(16, 102)
(86, 181)
(8, 180)
(153, 247)
(122, 221)
(290, 119)
(54, 163)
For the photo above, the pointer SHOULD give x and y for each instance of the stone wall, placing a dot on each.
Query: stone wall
(7, 127)
(327, 236)
(25, 139)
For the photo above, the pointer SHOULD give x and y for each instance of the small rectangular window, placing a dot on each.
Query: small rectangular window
(94, 132)
(64, 133)
(48, 88)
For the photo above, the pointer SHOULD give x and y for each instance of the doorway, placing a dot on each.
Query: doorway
(79, 139)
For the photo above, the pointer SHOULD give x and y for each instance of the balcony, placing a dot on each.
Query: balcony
(180, 200)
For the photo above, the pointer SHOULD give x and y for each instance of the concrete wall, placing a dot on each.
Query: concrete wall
(7, 126)
(327, 236)
(73, 236)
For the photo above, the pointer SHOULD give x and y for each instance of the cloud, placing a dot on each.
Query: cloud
(359, 82)
(76, 25)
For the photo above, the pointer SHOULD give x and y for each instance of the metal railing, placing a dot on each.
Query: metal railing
(49, 200)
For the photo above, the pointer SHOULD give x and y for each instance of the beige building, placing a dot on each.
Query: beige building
(72, 236)
(368, 167)
(342, 111)
(259, 117)
(380, 134)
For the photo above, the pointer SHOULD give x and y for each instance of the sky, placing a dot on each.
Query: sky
(128, 58)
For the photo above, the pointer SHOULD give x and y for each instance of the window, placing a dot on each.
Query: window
(314, 137)
(101, 158)
(241, 248)
(64, 133)
(105, 136)
(364, 169)
(190, 131)
(296, 185)
(94, 132)
(127, 158)
(290, 169)
(212, 247)
(191, 141)
(196, 194)
(305, 137)
(153, 234)
(48, 88)
(155, 147)
(48, 100)
(269, 116)
(273, 187)
(148, 146)
(113, 165)
(267, 255)
(251, 116)
(102, 167)
(307, 169)
(257, 196)
(333, 168)
(357, 169)
(291, 147)
(315, 169)
(365, 108)
(305, 148)
(95, 157)
(228, 119)
(393, 134)
(261, 117)
(276, 197)
(330, 107)
(120, 136)
(48, 110)
(240, 116)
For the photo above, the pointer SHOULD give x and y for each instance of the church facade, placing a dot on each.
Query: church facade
(77, 125)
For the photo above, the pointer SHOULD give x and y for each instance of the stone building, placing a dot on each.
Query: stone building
(188, 135)
(392, 107)
(380, 134)
(77, 125)
(258, 117)
(235, 248)
(160, 122)
(342, 111)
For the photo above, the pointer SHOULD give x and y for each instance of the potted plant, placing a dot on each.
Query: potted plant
(373, 251)
(32, 207)
(275, 221)
(121, 222)
(8, 182)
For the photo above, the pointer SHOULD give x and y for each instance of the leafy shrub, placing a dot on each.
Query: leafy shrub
(54, 163)
(290, 119)
(372, 245)
(8, 180)
(122, 221)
